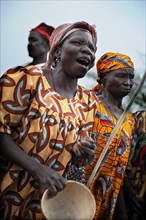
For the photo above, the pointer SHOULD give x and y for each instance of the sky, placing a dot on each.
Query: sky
(120, 26)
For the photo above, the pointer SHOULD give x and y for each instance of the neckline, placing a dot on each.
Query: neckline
(56, 94)
(111, 112)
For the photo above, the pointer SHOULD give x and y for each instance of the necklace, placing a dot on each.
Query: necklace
(109, 106)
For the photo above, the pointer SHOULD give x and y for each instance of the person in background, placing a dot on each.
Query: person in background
(136, 170)
(134, 188)
(39, 44)
(115, 80)
(45, 121)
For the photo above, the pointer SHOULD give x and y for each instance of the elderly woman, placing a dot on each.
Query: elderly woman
(115, 78)
(46, 119)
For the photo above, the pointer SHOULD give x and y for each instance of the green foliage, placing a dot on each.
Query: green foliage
(140, 100)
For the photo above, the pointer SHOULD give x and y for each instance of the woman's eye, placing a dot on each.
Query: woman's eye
(76, 43)
(131, 76)
(118, 76)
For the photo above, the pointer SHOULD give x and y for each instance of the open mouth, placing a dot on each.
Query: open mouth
(83, 61)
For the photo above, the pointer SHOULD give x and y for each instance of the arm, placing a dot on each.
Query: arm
(13, 105)
(83, 150)
(45, 176)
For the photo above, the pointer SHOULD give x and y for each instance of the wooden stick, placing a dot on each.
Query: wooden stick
(143, 189)
(95, 170)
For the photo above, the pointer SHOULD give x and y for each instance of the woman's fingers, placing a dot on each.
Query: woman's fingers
(54, 186)
(84, 148)
(88, 143)
(47, 178)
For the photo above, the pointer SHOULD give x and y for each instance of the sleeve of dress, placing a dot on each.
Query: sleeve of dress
(87, 126)
(17, 87)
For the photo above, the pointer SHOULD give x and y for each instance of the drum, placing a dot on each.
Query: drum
(75, 202)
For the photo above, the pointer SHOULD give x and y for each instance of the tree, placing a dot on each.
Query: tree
(140, 100)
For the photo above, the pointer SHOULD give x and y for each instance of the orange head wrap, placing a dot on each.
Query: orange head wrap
(62, 32)
(112, 61)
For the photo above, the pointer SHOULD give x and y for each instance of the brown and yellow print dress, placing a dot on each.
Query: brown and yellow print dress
(45, 125)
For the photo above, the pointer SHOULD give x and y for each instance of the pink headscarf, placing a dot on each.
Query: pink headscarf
(62, 32)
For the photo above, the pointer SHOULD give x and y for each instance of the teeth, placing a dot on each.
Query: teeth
(85, 61)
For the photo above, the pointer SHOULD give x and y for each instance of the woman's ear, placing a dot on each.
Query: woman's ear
(57, 56)
(58, 53)
(102, 81)
(103, 78)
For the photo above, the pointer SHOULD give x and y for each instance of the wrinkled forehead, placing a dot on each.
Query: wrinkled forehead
(80, 33)
(123, 71)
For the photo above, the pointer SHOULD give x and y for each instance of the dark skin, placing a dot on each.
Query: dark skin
(66, 73)
(116, 85)
(66, 85)
(38, 47)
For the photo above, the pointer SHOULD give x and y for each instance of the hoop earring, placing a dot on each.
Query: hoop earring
(57, 59)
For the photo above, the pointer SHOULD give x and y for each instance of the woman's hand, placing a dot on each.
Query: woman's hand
(47, 178)
(84, 149)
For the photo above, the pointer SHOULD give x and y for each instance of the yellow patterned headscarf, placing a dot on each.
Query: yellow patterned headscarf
(112, 61)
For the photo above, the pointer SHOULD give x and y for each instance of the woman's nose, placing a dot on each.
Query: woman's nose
(128, 81)
(86, 49)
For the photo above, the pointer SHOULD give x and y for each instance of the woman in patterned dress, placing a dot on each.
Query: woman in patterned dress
(135, 181)
(115, 78)
(45, 121)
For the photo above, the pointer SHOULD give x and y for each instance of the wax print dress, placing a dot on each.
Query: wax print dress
(136, 169)
(106, 184)
(45, 125)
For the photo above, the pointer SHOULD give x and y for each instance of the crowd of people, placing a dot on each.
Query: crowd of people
(52, 129)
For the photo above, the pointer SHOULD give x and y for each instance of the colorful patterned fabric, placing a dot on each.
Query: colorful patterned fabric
(112, 61)
(44, 30)
(106, 184)
(45, 125)
(63, 31)
(136, 169)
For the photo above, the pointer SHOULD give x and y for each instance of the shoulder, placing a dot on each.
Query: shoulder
(89, 95)
(29, 74)
(31, 70)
